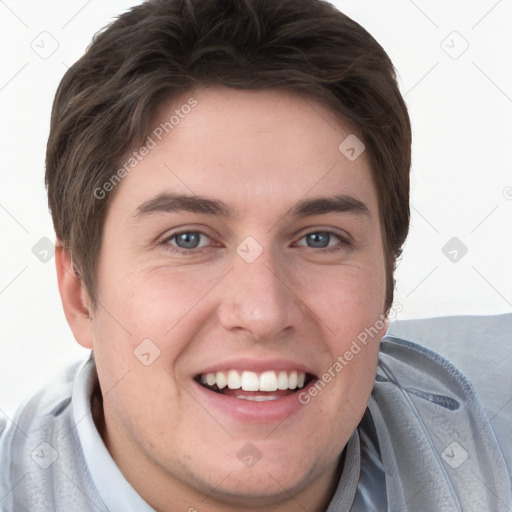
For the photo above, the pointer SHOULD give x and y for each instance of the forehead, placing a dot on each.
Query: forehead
(267, 146)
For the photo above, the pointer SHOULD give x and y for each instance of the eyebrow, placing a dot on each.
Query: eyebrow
(176, 202)
(323, 205)
(169, 202)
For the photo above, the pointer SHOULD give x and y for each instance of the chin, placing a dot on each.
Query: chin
(269, 480)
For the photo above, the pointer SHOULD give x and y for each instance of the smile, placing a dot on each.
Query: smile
(255, 386)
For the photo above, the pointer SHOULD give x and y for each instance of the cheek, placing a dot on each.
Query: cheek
(151, 303)
(144, 325)
(352, 319)
(346, 300)
(360, 325)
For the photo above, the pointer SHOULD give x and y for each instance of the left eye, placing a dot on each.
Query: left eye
(319, 239)
(188, 240)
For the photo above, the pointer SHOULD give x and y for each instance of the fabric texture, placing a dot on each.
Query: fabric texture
(481, 348)
(425, 443)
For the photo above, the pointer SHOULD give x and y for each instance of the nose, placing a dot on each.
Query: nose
(259, 300)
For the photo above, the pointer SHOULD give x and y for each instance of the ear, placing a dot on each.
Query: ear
(75, 299)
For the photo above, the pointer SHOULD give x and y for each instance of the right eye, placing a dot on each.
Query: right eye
(187, 241)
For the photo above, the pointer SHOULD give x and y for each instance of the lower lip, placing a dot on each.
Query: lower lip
(270, 411)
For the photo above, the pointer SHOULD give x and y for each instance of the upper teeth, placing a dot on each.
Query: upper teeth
(252, 381)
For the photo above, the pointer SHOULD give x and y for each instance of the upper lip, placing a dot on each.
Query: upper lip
(256, 365)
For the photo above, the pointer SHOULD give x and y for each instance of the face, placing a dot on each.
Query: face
(241, 258)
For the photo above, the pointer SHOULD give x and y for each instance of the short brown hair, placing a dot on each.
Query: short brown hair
(163, 48)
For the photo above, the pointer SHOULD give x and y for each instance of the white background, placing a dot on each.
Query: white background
(461, 111)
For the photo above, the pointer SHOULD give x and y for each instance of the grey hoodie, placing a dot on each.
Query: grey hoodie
(424, 444)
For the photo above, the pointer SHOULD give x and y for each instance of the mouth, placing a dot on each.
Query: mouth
(255, 386)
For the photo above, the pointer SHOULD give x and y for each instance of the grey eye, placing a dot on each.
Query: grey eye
(188, 240)
(318, 240)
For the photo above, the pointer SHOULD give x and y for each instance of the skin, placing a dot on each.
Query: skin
(260, 152)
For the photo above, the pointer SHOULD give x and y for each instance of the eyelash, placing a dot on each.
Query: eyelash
(344, 242)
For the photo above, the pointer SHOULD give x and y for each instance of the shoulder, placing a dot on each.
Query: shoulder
(41, 458)
(480, 347)
(49, 402)
(40, 411)
(423, 404)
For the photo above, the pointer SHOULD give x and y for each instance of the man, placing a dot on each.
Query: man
(229, 187)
